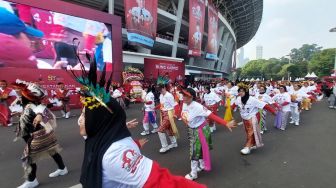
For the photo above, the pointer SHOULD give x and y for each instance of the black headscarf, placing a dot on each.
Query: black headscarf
(105, 122)
(246, 96)
(103, 128)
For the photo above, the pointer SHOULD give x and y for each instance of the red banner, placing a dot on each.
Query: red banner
(48, 79)
(196, 26)
(155, 67)
(212, 46)
(141, 21)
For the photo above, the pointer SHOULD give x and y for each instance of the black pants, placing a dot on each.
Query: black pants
(57, 158)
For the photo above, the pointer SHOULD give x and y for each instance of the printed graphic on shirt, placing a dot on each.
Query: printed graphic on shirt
(131, 160)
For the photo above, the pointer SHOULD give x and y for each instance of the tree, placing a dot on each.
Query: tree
(304, 53)
(322, 63)
(253, 68)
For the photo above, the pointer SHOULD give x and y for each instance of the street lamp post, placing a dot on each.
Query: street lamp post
(334, 30)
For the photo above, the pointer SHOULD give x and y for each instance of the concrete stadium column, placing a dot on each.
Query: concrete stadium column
(221, 53)
(227, 56)
(177, 26)
(227, 48)
(191, 61)
(111, 6)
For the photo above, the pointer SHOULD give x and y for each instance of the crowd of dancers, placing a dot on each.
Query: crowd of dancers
(197, 105)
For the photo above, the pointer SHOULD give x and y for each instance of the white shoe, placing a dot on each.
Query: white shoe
(172, 145)
(154, 130)
(29, 184)
(173, 142)
(297, 123)
(331, 107)
(245, 151)
(164, 149)
(180, 119)
(59, 172)
(261, 132)
(282, 129)
(144, 133)
(67, 115)
(291, 122)
(190, 177)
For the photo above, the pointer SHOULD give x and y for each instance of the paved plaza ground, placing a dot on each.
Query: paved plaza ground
(300, 157)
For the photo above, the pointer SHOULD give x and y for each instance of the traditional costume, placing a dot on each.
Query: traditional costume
(149, 113)
(249, 108)
(263, 113)
(211, 101)
(194, 115)
(63, 96)
(39, 136)
(112, 158)
(167, 125)
(7, 96)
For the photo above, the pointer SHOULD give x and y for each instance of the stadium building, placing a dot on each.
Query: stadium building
(238, 22)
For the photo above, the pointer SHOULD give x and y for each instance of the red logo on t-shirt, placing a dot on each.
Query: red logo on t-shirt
(131, 160)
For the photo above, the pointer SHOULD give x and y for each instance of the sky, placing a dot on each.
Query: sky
(287, 24)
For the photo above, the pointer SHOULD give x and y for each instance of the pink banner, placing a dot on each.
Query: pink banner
(141, 21)
(212, 46)
(155, 67)
(196, 26)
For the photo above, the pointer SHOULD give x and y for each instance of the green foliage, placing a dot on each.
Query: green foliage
(308, 56)
(322, 63)
(305, 53)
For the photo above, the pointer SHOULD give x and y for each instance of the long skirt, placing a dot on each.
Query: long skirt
(213, 109)
(39, 146)
(262, 120)
(149, 117)
(200, 144)
(253, 136)
(167, 123)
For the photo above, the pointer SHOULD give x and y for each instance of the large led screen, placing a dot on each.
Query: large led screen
(41, 39)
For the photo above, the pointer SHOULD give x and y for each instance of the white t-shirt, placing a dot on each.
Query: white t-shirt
(211, 98)
(167, 101)
(124, 166)
(282, 98)
(194, 114)
(299, 96)
(149, 97)
(251, 107)
(265, 98)
(289, 88)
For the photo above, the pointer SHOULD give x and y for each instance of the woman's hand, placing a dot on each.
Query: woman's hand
(142, 141)
(231, 124)
(131, 124)
(37, 119)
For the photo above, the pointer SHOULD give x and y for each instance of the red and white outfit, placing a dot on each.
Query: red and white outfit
(63, 96)
(124, 166)
(167, 104)
(7, 96)
(249, 113)
(211, 101)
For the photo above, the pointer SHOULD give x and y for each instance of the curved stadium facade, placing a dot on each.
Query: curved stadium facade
(239, 21)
